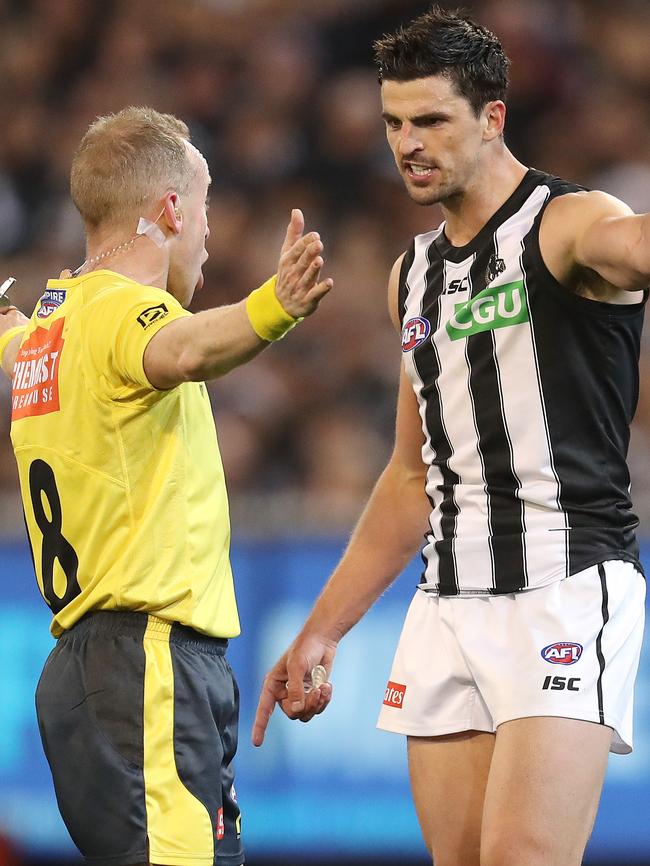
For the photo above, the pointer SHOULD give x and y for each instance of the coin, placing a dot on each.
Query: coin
(318, 676)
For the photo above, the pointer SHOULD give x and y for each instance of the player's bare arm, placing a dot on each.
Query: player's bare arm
(596, 241)
(215, 341)
(385, 539)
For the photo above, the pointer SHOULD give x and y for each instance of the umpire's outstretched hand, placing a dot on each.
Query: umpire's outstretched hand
(299, 287)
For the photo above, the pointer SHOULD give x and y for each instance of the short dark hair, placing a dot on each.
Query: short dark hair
(446, 43)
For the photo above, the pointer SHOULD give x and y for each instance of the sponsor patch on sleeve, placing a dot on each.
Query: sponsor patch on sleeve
(35, 389)
(152, 315)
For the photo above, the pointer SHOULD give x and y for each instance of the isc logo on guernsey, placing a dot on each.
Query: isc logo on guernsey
(394, 695)
(562, 653)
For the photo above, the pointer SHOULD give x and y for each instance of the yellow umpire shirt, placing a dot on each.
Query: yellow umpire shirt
(122, 485)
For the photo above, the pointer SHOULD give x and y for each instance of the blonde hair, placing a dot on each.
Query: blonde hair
(125, 161)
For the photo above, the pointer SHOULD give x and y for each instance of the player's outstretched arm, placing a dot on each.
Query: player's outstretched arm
(388, 534)
(596, 231)
(211, 343)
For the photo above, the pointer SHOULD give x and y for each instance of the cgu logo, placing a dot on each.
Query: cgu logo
(494, 307)
(414, 332)
(394, 695)
(562, 653)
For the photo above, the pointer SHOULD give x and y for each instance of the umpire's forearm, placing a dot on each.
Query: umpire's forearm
(203, 346)
(218, 341)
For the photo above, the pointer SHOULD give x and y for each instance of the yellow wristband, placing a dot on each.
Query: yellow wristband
(268, 317)
(7, 337)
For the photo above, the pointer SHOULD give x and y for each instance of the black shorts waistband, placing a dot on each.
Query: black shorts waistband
(144, 625)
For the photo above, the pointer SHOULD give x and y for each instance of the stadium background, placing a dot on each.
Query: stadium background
(282, 98)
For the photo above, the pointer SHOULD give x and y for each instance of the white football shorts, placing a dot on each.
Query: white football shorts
(568, 649)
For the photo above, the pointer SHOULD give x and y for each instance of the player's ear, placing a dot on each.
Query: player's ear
(494, 118)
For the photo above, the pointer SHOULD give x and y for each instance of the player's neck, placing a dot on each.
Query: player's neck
(136, 258)
(494, 183)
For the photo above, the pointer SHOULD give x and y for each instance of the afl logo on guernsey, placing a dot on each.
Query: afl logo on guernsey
(414, 332)
(562, 653)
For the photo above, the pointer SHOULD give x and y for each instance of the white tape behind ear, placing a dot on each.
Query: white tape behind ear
(151, 230)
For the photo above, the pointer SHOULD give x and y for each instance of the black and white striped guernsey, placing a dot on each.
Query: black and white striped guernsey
(526, 392)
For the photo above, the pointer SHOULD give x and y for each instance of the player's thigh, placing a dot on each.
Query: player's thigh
(543, 791)
(448, 778)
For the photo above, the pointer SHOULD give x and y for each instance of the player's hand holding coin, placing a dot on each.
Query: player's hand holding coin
(298, 683)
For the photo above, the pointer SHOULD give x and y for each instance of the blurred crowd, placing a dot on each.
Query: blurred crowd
(282, 98)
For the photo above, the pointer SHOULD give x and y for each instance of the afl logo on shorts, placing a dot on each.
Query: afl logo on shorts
(562, 653)
(414, 332)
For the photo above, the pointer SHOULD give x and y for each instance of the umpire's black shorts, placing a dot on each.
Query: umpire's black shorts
(138, 719)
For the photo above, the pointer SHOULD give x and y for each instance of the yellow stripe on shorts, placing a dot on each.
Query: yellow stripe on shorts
(178, 824)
